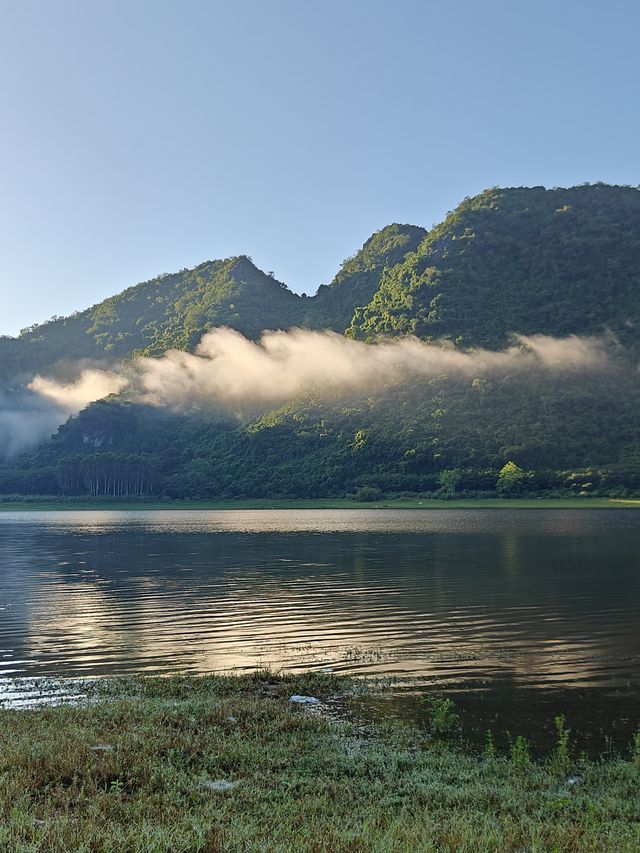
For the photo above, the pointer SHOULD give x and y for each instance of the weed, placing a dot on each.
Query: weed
(635, 747)
(520, 753)
(441, 715)
(490, 747)
(561, 757)
(280, 778)
(116, 787)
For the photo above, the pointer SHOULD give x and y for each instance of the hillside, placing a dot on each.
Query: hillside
(573, 433)
(557, 262)
(524, 260)
(168, 311)
(174, 310)
(359, 277)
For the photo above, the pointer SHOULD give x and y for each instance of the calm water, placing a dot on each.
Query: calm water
(497, 606)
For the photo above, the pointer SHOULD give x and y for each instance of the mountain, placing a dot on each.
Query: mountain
(168, 311)
(175, 310)
(359, 277)
(570, 434)
(525, 260)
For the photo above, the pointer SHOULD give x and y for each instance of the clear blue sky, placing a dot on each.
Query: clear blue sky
(142, 137)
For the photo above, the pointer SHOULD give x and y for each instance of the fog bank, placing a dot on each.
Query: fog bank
(230, 371)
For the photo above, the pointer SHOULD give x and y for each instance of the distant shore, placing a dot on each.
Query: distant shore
(318, 503)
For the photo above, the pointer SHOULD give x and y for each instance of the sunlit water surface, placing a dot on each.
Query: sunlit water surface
(497, 606)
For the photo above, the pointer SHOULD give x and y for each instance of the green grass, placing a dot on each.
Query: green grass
(304, 782)
(322, 503)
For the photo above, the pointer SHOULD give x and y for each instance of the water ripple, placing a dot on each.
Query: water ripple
(536, 598)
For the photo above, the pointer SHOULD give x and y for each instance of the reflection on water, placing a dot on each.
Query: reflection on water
(523, 599)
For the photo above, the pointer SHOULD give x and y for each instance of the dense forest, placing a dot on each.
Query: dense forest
(565, 434)
(557, 262)
(529, 261)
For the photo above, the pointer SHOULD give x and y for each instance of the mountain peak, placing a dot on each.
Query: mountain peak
(359, 276)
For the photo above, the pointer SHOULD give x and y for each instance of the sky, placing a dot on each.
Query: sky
(145, 136)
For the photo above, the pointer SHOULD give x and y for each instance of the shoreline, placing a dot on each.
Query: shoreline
(318, 503)
(261, 761)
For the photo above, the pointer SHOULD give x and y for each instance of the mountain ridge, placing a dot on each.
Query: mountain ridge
(174, 310)
(559, 263)
(525, 260)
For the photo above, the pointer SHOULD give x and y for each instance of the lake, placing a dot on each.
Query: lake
(514, 612)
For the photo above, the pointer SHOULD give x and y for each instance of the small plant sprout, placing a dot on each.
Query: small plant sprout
(116, 787)
(635, 747)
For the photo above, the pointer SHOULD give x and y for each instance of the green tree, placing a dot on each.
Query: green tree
(369, 494)
(511, 479)
(448, 480)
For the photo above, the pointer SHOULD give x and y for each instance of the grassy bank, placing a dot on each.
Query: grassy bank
(321, 503)
(229, 764)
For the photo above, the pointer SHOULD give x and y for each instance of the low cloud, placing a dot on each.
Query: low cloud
(25, 421)
(30, 415)
(73, 396)
(230, 371)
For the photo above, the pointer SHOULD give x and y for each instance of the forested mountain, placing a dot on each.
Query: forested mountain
(168, 311)
(524, 260)
(528, 261)
(174, 311)
(567, 434)
(359, 277)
